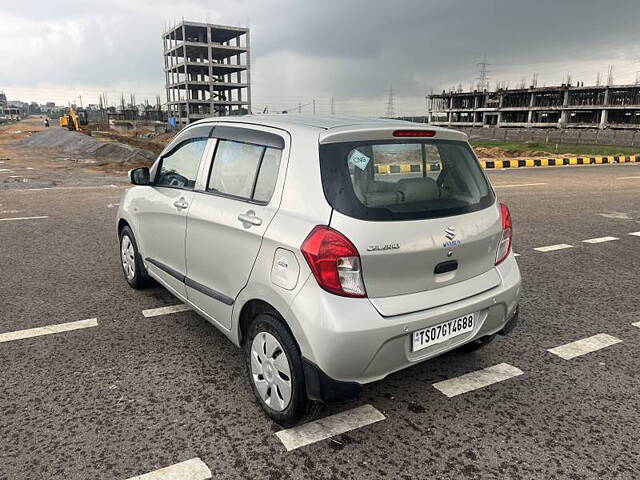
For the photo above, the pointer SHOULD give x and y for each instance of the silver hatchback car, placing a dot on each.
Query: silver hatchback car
(334, 251)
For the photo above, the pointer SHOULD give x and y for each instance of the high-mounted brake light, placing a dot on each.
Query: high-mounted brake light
(506, 238)
(334, 261)
(414, 133)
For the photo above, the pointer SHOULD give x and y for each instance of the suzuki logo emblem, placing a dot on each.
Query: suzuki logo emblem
(450, 232)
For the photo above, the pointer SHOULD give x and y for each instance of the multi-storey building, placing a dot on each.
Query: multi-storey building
(207, 71)
(563, 106)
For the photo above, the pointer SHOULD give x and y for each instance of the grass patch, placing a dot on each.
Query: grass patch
(586, 150)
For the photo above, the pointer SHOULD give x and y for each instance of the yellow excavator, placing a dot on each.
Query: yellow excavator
(75, 120)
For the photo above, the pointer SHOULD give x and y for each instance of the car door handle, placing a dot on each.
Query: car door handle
(250, 218)
(180, 203)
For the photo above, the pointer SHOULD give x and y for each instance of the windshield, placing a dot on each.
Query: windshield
(403, 180)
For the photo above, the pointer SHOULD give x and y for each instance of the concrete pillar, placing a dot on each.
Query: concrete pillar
(564, 113)
(604, 114)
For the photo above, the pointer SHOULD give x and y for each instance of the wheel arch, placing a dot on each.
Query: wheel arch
(256, 299)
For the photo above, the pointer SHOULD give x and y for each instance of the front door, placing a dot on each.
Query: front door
(163, 211)
(227, 221)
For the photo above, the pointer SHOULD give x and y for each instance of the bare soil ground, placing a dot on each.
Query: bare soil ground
(27, 166)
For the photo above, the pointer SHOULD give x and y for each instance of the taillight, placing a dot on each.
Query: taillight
(414, 133)
(504, 245)
(334, 261)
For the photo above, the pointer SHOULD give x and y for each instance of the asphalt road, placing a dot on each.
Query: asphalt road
(135, 394)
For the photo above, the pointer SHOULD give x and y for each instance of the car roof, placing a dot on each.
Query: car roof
(325, 124)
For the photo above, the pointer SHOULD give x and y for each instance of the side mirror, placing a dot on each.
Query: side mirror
(139, 176)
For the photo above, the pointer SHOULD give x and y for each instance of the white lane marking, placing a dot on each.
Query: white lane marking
(601, 240)
(9, 211)
(330, 426)
(5, 170)
(551, 248)
(478, 379)
(67, 188)
(637, 234)
(514, 185)
(22, 218)
(616, 215)
(48, 330)
(111, 205)
(586, 345)
(636, 324)
(516, 254)
(194, 469)
(154, 312)
(626, 178)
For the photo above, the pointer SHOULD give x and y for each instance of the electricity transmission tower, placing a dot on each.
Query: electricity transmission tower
(483, 77)
(391, 108)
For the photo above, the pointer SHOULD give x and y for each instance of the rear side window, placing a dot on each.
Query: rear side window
(244, 171)
(179, 168)
(403, 180)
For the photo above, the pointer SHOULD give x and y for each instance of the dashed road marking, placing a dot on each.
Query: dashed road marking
(616, 215)
(514, 185)
(584, 346)
(67, 188)
(48, 330)
(328, 427)
(516, 254)
(22, 218)
(551, 248)
(626, 178)
(601, 240)
(637, 234)
(478, 379)
(155, 312)
(194, 469)
(4, 212)
(636, 324)
(112, 205)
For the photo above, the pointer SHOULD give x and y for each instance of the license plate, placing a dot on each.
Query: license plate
(442, 332)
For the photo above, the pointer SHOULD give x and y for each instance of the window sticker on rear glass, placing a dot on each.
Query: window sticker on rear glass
(359, 159)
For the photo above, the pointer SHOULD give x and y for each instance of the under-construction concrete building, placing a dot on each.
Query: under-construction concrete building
(207, 71)
(562, 106)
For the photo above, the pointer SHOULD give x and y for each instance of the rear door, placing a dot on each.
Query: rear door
(230, 215)
(420, 211)
(162, 210)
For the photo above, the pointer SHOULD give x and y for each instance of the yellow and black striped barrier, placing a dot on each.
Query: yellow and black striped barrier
(559, 161)
(387, 168)
(390, 168)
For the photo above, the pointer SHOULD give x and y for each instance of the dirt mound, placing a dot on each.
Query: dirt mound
(497, 152)
(74, 143)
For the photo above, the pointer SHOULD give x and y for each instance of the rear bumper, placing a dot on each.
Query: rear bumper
(349, 341)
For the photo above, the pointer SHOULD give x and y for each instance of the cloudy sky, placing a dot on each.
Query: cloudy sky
(352, 50)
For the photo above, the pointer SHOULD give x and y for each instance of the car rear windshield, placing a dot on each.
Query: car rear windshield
(403, 180)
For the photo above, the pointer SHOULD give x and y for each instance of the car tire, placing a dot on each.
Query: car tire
(132, 266)
(477, 344)
(274, 368)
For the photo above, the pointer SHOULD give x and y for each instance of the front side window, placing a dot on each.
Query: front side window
(244, 170)
(403, 180)
(179, 168)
